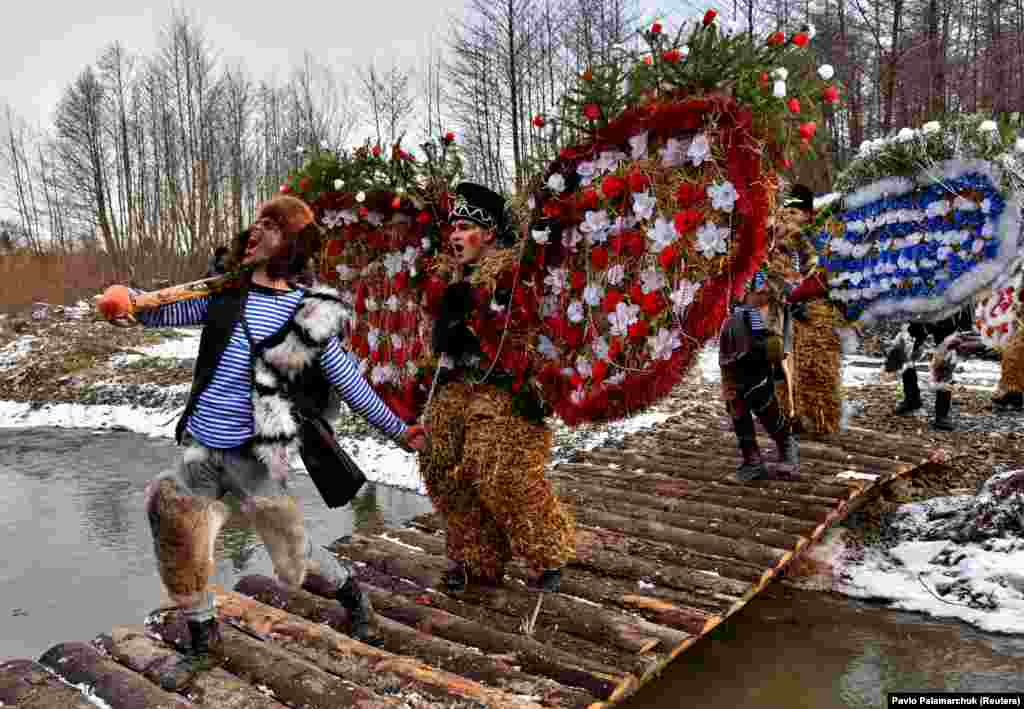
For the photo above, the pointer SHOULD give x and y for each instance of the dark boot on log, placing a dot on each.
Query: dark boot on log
(752, 468)
(456, 578)
(198, 658)
(911, 394)
(943, 401)
(360, 611)
(789, 448)
(1010, 401)
(550, 580)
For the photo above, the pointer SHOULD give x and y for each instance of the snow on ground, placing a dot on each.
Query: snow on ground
(949, 557)
(14, 351)
(184, 347)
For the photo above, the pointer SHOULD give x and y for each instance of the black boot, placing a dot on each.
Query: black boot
(1010, 401)
(180, 672)
(360, 612)
(789, 448)
(911, 394)
(456, 578)
(943, 400)
(752, 468)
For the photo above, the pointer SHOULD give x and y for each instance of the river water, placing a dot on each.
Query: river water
(77, 560)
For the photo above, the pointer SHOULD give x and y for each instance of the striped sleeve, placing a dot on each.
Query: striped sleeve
(356, 392)
(179, 314)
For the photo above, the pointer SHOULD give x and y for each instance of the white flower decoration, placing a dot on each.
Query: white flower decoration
(699, 150)
(652, 280)
(595, 226)
(541, 236)
(300, 150)
(583, 366)
(571, 238)
(905, 135)
(557, 280)
(662, 233)
(396, 341)
(393, 263)
(600, 347)
(644, 204)
(360, 196)
(547, 347)
(1019, 145)
(638, 146)
(586, 170)
(373, 339)
(988, 127)
(826, 72)
(931, 127)
(683, 295)
(593, 294)
(624, 316)
(664, 343)
(393, 304)
(711, 239)
(339, 183)
(609, 160)
(556, 183)
(779, 89)
(616, 274)
(672, 154)
(372, 305)
(781, 73)
(576, 311)
(723, 196)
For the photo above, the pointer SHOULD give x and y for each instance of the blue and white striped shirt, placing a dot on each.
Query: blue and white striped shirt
(222, 417)
(756, 321)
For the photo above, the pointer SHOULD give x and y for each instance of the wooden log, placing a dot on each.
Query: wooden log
(293, 680)
(26, 684)
(214, 688)
(377, 669)
(680, 506)
(532, 656)
(397, 638)
(710, 525)
(569, 614)
(711, 583)
(80, 663)
(710, 493)
(721, 473)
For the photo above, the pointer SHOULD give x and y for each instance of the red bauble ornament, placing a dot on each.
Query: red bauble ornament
(709, 17)
(672, 56)
(807, 130)
(539, 121)
(423, 217)
(592, 111)
(794, 105)
(801, 39)
(599, 258)
(396, 203)
(830, 94)
(638, 181)
(613, 186)
(656, 28)
(776, 38)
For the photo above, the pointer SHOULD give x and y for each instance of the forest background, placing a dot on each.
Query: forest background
(150, 161)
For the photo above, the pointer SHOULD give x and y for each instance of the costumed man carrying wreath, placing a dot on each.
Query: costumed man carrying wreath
(484, 470)
(269, 356)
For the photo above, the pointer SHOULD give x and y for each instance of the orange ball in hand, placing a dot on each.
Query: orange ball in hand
(116, 302)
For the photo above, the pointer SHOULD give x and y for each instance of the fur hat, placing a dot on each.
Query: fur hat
(487, 209)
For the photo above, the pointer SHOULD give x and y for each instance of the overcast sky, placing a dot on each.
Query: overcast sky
(51, 41)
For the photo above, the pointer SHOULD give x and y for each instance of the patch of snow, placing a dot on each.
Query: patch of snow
(184, 347)
(151, 422)
(14, 351)
(853, 475)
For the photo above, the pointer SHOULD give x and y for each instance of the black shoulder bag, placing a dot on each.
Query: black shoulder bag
(336, 476)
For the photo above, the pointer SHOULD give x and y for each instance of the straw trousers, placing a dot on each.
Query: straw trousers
(485, 474)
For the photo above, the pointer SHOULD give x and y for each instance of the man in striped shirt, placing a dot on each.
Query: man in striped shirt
(748, 356)
(261, 346)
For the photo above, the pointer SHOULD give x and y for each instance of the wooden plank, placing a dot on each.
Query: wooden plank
(214, 688)
(469, 662)
(121, 688)
(26, 684)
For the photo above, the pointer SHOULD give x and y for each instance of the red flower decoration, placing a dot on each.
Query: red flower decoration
(599, 258)
(305, 183)
(449, 138)
(807, 130)
(423, 217)
(801, 39)
(639, 329)
(672, 56)
(794, 105)
(776, 38)
(656, 28)
(830, 94)
(652, 303)
(364, 212)
(552, 210)
(709, 17)
(376, 151)
(598, 371)
(401, 280)
(611, 299)
(396, 203)
(638, 181)
(687, 220)
(539, 121)
(613, 186)
(592, 111)
(690, 193)
(648, 60)
(588, 200)
(668, 257)
(578, 280)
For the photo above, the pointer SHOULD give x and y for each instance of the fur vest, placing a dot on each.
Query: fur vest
(287, 381)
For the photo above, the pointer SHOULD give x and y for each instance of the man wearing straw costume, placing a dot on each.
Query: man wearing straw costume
(748, 357)
(269, 354)
(484, 471)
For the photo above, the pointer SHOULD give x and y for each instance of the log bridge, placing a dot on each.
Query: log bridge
(669, 546)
